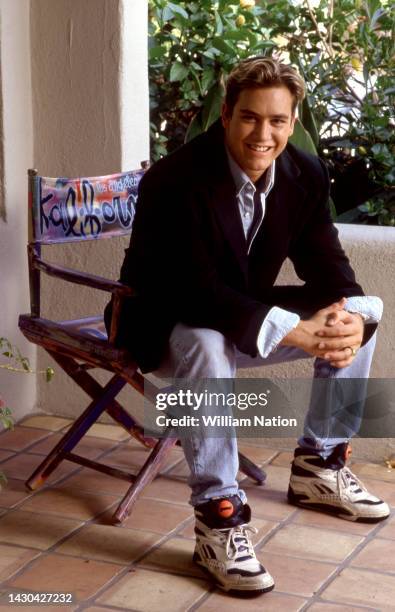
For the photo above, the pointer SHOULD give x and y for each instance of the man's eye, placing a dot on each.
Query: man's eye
(249, 118)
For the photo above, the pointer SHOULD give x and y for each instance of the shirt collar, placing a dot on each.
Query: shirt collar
(242, 180)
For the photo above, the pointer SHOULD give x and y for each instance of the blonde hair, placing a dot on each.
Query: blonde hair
(257, 72)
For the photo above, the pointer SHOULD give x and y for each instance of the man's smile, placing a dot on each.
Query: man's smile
(259, 148)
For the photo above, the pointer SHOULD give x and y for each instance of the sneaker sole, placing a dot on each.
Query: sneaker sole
(296, 500)
(246, 592)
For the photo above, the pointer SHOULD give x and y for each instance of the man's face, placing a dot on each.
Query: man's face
(258, 129)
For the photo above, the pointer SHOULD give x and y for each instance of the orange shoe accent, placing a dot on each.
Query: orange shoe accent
(225, 508)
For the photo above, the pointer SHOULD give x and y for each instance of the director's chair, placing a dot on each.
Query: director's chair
(74, 210)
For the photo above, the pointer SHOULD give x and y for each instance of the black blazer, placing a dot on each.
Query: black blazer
(188, 261)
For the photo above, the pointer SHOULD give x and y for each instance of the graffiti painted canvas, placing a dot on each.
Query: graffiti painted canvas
(68, 210)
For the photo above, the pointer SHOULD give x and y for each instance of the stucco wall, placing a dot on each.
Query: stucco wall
(18, 390)
(90, 109)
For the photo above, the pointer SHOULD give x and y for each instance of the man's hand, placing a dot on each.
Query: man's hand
(331, 333)
(341, 338)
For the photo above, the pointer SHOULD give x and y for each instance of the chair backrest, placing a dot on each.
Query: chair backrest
(64, 210)
(74, 209)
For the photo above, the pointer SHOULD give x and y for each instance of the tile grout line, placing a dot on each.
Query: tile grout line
(345, 564)
(27, 448)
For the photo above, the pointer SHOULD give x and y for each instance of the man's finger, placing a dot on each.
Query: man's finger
(340, 345)
(341, 364)
(339, 316)
(347, 352)
(335, 306)
(337, 332)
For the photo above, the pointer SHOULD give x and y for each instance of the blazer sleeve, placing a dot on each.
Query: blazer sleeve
(319, 258)
(316, 252)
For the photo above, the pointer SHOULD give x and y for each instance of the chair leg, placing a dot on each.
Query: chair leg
(251, 470)
(75, 433)
(94, 390)
(145, 475)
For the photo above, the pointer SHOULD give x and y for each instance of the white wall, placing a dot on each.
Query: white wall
(19, 390)
(134, 97)
(90, 109)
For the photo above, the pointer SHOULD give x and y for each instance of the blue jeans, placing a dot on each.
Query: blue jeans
(196, 354)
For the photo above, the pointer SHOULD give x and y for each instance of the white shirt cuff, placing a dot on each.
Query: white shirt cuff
(368, 306)
(276, 325)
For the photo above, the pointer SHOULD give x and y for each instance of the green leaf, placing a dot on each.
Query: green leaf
(211, 109)
(332, 208)
(376, 16)
(302, 139)
(219, 27)
(178, 10)
(223, 45)
(167, 14)
(209, 112)
(308, 121)
(194, 128)
(235, 35)
(211, 53)
(156, 52)
(178, 72)
(207, 78)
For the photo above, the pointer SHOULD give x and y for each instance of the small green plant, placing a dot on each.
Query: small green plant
(15, 362)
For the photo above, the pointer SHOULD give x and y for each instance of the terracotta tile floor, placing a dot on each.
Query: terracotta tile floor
(61, 537)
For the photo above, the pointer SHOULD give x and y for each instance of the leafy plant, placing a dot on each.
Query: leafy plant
(345, 51)
(14, 362)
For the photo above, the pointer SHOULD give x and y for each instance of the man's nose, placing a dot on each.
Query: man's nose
(263, 131)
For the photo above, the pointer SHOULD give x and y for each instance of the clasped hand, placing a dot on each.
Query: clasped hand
(331, 333)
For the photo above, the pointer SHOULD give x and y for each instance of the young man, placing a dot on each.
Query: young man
(214, 222)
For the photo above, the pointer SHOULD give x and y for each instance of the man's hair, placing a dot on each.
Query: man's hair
(258, 72)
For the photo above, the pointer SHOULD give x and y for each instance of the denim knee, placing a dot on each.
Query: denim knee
(201, 353)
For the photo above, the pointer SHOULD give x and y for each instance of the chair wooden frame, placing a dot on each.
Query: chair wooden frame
(76, 350)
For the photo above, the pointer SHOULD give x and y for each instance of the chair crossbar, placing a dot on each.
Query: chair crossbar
(99, 467)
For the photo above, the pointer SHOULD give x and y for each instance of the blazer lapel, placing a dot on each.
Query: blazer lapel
(225, 206)
(222, 196)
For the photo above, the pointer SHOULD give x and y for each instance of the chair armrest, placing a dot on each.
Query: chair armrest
(82, 278)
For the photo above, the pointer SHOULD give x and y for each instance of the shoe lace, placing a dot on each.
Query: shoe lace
(350, 481)
(238, 542)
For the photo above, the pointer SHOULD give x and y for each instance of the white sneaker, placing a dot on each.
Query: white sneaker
(329, 486)
(225, 552)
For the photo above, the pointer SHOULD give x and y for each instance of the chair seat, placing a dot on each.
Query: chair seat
(86, 338)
